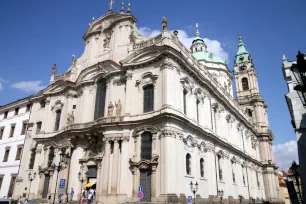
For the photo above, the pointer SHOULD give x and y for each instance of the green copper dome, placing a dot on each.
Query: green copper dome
(209, 57)
(242, 55)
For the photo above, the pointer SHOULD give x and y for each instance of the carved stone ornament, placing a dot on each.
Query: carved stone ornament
(146, 78)
(165, 24)
(132, 36)
(107, 41)
(110, 109)
(169, 63)
(58, 105)
(187, 83)
(128, 76)
(144, 164)
(70, 118)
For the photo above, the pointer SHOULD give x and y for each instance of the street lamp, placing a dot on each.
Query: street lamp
(31, 177)
(295, 168)
(62, 162)
(82, 179)
(220, 194)
(299, 72)
(194, 188)
(240, 198)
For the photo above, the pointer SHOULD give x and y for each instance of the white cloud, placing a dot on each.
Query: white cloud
(213, 46)
(1, 85)
(28, 86)
(284, 154)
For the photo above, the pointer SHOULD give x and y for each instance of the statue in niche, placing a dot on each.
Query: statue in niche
(110, 109)
(118, 108)
(70, 118)
(107, 41)
(164, 23)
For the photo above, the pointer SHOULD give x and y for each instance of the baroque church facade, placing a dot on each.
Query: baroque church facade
(136, 111)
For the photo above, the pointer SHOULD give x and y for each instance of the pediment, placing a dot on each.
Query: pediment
(56, 87)
(142, 56)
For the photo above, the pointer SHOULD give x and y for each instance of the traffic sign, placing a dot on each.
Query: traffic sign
(189, 199)
(140, 195)
(140, 188)
(62, 186)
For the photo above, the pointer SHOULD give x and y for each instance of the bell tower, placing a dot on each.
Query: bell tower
(249, 97)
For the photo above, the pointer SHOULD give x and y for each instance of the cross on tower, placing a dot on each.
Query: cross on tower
(111, 4)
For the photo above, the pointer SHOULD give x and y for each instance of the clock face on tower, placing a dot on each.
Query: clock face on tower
(242, 68)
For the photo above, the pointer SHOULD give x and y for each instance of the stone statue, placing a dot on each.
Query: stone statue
(73, 60)
(118, 108)
(70, 118)
(164, 24)
(54, 69)
(110, 109)
(132, 37)
(107, 41)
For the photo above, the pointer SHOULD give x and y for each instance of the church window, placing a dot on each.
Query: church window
(100, 99)
(196, 49)
(249, 112)
(188, 164)
(148, 98)
(32, 159)
(38, 127)
(245, 84)
(18, 153)
(51, 156)
(198, 104)
(202, 167)
(220, 167)
(146, 146)
(185, 100)
(57, 120)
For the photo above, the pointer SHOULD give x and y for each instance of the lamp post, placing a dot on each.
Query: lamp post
(82, 179)
(62, 162)
(194, 188)
(31, 177)
(299, 72)
(220, 194)
(240, 198)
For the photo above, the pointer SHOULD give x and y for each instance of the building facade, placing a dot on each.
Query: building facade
(14, 118)
(136, 111)
(297, 113)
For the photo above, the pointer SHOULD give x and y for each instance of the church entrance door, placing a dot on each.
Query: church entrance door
(145, 182)
(46, 186)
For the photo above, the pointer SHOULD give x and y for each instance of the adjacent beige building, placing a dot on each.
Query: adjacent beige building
(135, 111)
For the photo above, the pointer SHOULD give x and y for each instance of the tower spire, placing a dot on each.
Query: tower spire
(197, 32)
(122, 8)
(242, 55)
(129, 9)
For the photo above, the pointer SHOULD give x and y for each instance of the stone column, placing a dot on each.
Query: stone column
(99, 165)
(115, 168)
(41, 184)
(106, 168)
(153, 191)
(50, 184)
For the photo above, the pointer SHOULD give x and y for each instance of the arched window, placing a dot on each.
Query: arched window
(233, 172)
(257, 179)
(245, 84)
(146, 146)
(51, 156)
(198, 104)
(148, 98)
(100, 99)
(57, 119)
(220, 167)
(202, 167)
(184, 100)
(188, 164)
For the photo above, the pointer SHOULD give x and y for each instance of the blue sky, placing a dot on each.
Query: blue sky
(36, 34)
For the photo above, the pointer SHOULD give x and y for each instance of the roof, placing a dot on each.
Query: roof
(242, 55)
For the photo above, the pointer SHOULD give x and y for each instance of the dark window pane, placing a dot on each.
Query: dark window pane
(245, 84)
(202, 167)
(184, 101)
(100, 99)
(146, 146)
(148, 98)
(57, 120)
(188, 164)
(32, 159)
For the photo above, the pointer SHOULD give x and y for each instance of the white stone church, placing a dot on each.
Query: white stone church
(136, 111)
